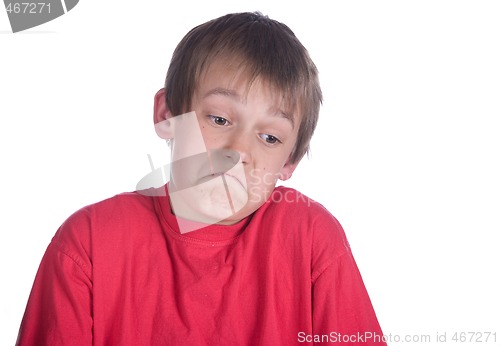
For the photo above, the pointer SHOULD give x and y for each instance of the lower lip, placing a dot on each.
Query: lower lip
(223, 175)
(233, 177)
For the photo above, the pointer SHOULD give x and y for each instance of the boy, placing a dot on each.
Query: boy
(218, 256)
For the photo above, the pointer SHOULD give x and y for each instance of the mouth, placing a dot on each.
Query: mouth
(217, 165)
(225, 177)
(230, 176)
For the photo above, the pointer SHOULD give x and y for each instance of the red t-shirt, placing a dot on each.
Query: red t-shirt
(120, 273)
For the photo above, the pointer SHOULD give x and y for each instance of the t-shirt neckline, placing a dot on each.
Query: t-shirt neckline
(204, 234)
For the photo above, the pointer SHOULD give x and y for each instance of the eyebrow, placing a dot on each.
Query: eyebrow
(234, 95)
(223, 92)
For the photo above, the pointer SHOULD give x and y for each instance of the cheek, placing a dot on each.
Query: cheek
(210, 137)
(262, 179)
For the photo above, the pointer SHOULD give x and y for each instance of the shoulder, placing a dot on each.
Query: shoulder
(289, 203)
(116, 208)
(120, 211)
(311, 222)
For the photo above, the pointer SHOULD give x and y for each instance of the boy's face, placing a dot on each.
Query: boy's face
(248, 136)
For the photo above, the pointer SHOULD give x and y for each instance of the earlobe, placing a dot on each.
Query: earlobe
(161, 116)
(287, 170)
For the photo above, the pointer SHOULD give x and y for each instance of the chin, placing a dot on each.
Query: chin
(214, 201)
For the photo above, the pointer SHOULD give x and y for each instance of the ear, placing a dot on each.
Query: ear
(287, 170)
(162, 116)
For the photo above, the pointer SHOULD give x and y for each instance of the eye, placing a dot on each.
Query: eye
(270, 139)
(217, 120)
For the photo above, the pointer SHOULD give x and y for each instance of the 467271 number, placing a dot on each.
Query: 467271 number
(28, 7)
(474, 337)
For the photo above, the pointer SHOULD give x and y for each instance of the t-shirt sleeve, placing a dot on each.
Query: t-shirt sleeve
(342, 309)
(59, 309)
(341, 305)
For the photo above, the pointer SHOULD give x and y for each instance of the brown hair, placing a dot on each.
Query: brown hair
(267, 48)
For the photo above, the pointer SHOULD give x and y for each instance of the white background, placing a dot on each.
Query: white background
(406, 154)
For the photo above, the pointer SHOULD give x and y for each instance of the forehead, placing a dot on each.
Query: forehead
(231, 77)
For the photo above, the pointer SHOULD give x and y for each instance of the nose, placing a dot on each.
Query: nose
(239, 147)
(222, 160)
(235, 150)
(233, 156)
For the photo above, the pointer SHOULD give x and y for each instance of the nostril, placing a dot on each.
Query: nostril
(223, 160)
(234, 156)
